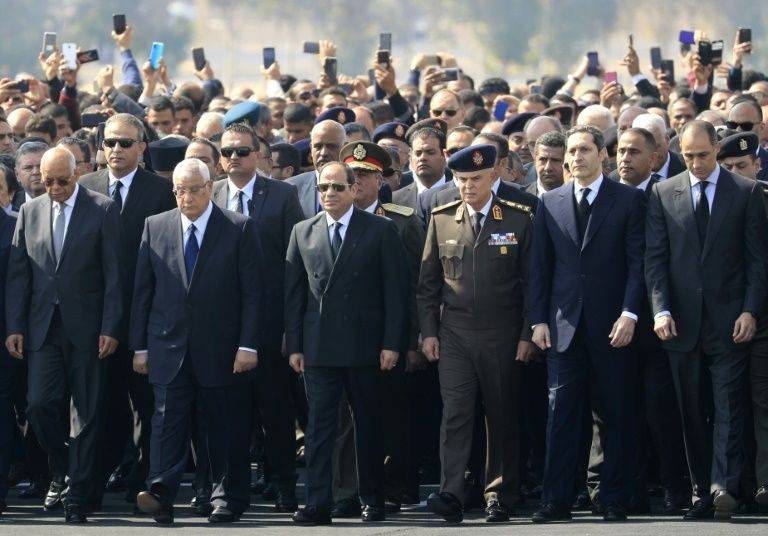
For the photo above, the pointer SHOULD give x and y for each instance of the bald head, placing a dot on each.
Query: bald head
(597, 116)
(57, 170)
(538, 126)
(58, 155)
(18, 119)
(656, 126)
(627, 116)
(326, 139)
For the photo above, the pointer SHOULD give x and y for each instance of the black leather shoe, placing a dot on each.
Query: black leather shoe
(117, 481)
(36, 490)
(701, 509)
(158, 507)
(725, 504)
(675, 505)
(56, 492)
(372, 514)
(221, 514)
(312, 516)
(74, 514)
(549, 512)
(286, 501)
(614, 512)
(349, 507)
(446, 506)
(582, 501)
(761, 497)
(410, 497)
(496, 513)
(201, 506)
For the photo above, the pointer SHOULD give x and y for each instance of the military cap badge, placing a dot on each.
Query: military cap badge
(477, 158)
(359, 153)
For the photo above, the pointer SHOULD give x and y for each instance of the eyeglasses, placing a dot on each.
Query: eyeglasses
(188, 190)
(241, 152)
(125, 143)
(306, 95)
(50, 182)
(733, 125)
(337, 186)
(450, 113)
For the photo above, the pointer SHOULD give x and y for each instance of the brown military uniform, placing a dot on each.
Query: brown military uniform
(471, 296)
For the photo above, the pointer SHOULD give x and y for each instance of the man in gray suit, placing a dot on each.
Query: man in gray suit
(64, 304)
(706, 279)
(326, 140)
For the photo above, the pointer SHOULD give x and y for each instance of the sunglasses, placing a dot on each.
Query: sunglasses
(306, 95)
(733, 125)
(50, 182)
(449, 113)
(337, 186)
(241, 152)
(125, 143)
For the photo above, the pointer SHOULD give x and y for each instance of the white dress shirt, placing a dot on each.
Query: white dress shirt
(421, 187)
(663, 171)
(372, 208)
(247, 195)
(642, 186)
(593, 186)
(126, 181)
(69, 206)
(200, 224)
(696, 191)
(344, 221)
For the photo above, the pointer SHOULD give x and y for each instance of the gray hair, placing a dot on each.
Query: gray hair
(31, 147)
(652, 123)
(192, 165)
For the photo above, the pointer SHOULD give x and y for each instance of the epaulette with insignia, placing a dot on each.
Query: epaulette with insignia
(518, 206)
(447, 205)
(398, 209)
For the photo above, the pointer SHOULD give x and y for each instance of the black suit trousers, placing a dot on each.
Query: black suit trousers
(8, 432)
(324, 390)
(57, 368)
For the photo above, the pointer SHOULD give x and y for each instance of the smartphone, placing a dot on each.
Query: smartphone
(372, 76)
(705, 52)
(198, 57)
(382, 57)
(592, 64)
(21, 85)
(49, 43)
(656, 57)
(93, 119)
(611, 76)
(385, 41)
(118, 23)
(500, 110)
(717, 52)
(535, 89)
(311, 47)
(69, 51)
(330, 68)
(433, 59)
(668, 70)
(450, 75)
(156, 54)
(87, 56)
(686, 37)
(745, 35)
(269, 56)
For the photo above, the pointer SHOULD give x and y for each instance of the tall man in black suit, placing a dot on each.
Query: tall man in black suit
(706, 278)
(274, 207)
(346, 307)
(64, 304)
(194, 330)
(586, 289)
(138, 194)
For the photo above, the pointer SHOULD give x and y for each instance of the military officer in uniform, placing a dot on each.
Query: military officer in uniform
(471, 300)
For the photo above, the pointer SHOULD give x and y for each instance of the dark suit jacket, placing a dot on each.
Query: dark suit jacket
(590, 283)
(762, 154)
(506, 192)
(19, 198)
(86, 282)
(408, 195)
(726, 275)
(205, 319)
(676, 164)
(343, 313)
(275, 209)
(306, 187)
(150, 194)
(7, 226)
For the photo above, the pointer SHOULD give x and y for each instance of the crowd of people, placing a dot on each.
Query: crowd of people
(541, 291)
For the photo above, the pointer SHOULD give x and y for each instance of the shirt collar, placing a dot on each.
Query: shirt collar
(420, 187)
(344, 220)
(540, 190)
(126, 181)
(642, 186)
(70, 201)
(372, 208)
(495, 186)
(664, 170)
(712, 178)
(485, 210)
(247, 189)
(200, 223)
(593, 186)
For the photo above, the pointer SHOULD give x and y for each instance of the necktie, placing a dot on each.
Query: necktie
(583, 209)
(58, 231)
(477, 225)
(702, 211)
(117, 197)
(336, 242)
(190, 252)
(240, 202)
(655, 177)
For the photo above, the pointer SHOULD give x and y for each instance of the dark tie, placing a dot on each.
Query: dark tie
(190, 252)
(702, 211)
(655, 177)
(477, 225)
(117, 197)
(583, 209)
(336, 242)
(239, 207)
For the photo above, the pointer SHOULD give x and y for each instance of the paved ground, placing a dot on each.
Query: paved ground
(28, 519)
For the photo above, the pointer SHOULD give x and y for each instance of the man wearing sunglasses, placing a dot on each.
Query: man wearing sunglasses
(747, 116)
(274, 207)
(66, 254)
(446, 105)
(138, 194)
(346, 308)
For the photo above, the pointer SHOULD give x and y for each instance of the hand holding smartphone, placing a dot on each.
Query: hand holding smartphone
(156, 54)
(118, 23)
(49, 43)
(269, 56)
(198, 57)
(311, 47)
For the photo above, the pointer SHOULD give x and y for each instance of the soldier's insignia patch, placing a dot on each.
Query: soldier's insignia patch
(497, 213)
(477, 159)
(380, 212)
(743, 144)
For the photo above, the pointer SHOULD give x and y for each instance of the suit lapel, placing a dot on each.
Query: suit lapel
(73, 229)
(566, 215)
(720, 207)
(600, 209)
(136, 193)
(258, 197)
(221, 193)
(684, 211)
(102, 184)
(349, 244)
(177, 235)
(212, 231)
(47, 223)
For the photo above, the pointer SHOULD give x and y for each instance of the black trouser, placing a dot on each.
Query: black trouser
(324, 388)
(54, 367)
(227, 415)
(758, 376)
(8, 430)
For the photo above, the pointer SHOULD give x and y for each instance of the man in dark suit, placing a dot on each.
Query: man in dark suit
(586, 289)
(64, 304)
(8, 431)
(346, 319)
(706, 278)
(326, 139)
(746, 115)
(194, 330)
(274, 207)
(548, 159)
(28, 172)
(138, 194)
(673, 163)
